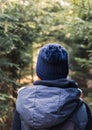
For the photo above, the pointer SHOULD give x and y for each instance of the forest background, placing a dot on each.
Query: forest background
(25, 26)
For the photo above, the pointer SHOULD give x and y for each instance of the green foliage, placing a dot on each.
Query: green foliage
(5, 108)
(15, 42)
(84, 29)
(79, 40)
(24, 24)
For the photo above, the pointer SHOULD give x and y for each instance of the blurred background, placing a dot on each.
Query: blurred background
(25, 26)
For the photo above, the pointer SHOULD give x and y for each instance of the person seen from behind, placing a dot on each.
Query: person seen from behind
(53, 102)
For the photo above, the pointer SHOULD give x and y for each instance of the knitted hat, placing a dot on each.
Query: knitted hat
(52, 62)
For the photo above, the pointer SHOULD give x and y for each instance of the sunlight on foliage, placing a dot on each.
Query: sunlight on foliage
(27, 25)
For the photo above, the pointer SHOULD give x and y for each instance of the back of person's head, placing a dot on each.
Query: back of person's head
(52, 62)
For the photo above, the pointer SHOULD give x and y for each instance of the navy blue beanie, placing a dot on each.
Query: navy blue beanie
(52, 62)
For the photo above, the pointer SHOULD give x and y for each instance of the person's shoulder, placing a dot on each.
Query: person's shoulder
(20, 89)
(24, 87)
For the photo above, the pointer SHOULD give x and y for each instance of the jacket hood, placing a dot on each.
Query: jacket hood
(43, 107)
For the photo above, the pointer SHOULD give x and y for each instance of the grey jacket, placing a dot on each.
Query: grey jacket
(42, 107)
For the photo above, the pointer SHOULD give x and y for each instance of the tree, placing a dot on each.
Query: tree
(81, 41)
(25, 26)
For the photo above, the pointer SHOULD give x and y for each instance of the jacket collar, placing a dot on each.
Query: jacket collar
(61, 83)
